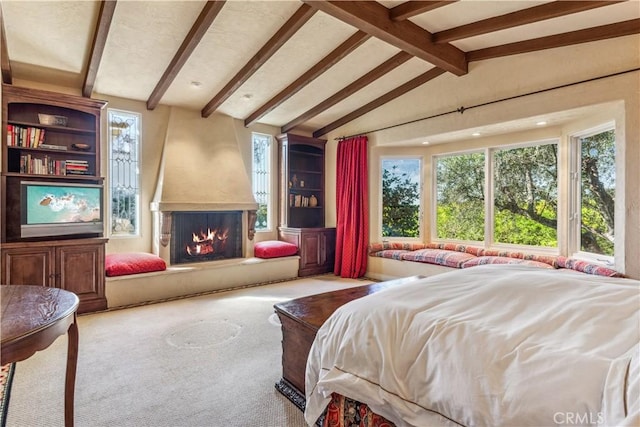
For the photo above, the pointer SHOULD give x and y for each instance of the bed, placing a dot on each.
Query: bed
(494, 345)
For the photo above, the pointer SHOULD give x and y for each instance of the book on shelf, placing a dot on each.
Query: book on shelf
(27, 137)
(53, 147)
(43, 166)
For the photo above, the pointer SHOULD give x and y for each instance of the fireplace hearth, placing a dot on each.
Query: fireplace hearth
(205, 236)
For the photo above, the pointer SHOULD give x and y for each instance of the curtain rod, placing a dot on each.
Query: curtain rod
(462, 109)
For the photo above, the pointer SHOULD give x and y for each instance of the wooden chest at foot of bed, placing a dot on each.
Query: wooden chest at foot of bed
(301, 318)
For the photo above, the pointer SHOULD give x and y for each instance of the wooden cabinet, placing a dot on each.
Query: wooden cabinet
(24, 265)
(52, 140)
(73, 265)
(302, 202)
(316, 247)
(301, 318)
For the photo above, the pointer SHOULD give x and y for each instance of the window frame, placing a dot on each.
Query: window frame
(421, 171)
(491, 224)
(271, 179)
(575, 194)
(433, 226)
(489, 221)
(137, 232)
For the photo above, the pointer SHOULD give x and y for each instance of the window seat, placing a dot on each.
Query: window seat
(389, 260)
(192, 279)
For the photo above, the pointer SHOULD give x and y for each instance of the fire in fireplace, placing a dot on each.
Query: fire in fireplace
(205, 236)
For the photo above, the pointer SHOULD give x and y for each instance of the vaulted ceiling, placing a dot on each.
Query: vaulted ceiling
(308, 65)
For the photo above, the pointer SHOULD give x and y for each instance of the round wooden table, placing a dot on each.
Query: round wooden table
(32, 318)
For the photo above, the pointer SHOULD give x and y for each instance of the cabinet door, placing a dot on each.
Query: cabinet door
(28, 266)
(310, 252)
(81, 271)
(328, 249)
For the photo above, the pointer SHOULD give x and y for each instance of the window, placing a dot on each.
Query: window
(261, 178)
(525, 196)
(124, 172)
(401, 208)
(522, 208)
(460, 197)
(594, 184)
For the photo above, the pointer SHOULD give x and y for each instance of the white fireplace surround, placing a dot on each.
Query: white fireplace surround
(201, 170)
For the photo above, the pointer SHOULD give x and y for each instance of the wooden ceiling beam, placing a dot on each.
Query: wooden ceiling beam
(299, 18)
(521, 17)
(412, 8)
(105, 15)
(389, 96)
(5, 64)
(373, 18)
(198, 30)
(323, 65)
(382, 69)
(602, 32)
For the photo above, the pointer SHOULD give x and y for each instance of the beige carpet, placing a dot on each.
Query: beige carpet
(210, 360)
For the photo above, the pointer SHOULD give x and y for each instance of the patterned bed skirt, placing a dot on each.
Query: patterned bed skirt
(345, 412)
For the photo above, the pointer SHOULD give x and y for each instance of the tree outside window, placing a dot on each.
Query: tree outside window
(525, 182)
(597, 192)
(401, 197)
(460, 197)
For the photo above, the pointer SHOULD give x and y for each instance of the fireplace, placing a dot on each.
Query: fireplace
(205, 236)
(203, 208)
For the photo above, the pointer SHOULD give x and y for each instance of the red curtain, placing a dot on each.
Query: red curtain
(352, 208)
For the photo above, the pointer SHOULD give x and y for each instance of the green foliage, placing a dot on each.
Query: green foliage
(123, 211)
(460, 178)
(261, 219)
(521, 230)
(460, 195)
(400, 204)
(598, 193)
(526, 195)
(461, 221)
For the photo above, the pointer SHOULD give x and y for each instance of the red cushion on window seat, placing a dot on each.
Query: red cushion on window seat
(122, 264)
(274, 249)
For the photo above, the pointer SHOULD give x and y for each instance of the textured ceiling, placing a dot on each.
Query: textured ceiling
(51, 42)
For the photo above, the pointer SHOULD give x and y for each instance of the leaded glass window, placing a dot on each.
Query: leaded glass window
(124, 172)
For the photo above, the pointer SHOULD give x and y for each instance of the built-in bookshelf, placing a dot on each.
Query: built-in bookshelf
(51, 139)
(302, 202)
(42, 138)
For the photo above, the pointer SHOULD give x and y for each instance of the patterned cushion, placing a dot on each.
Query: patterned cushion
(274, 249)
(390, 253)
(587, 267)
(407, 246)
(473, 250)
(481, 260)
(452, 259)
(547, 259)
(502, 253)
(122, 264)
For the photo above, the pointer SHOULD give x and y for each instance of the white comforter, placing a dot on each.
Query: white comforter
(494, 345)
